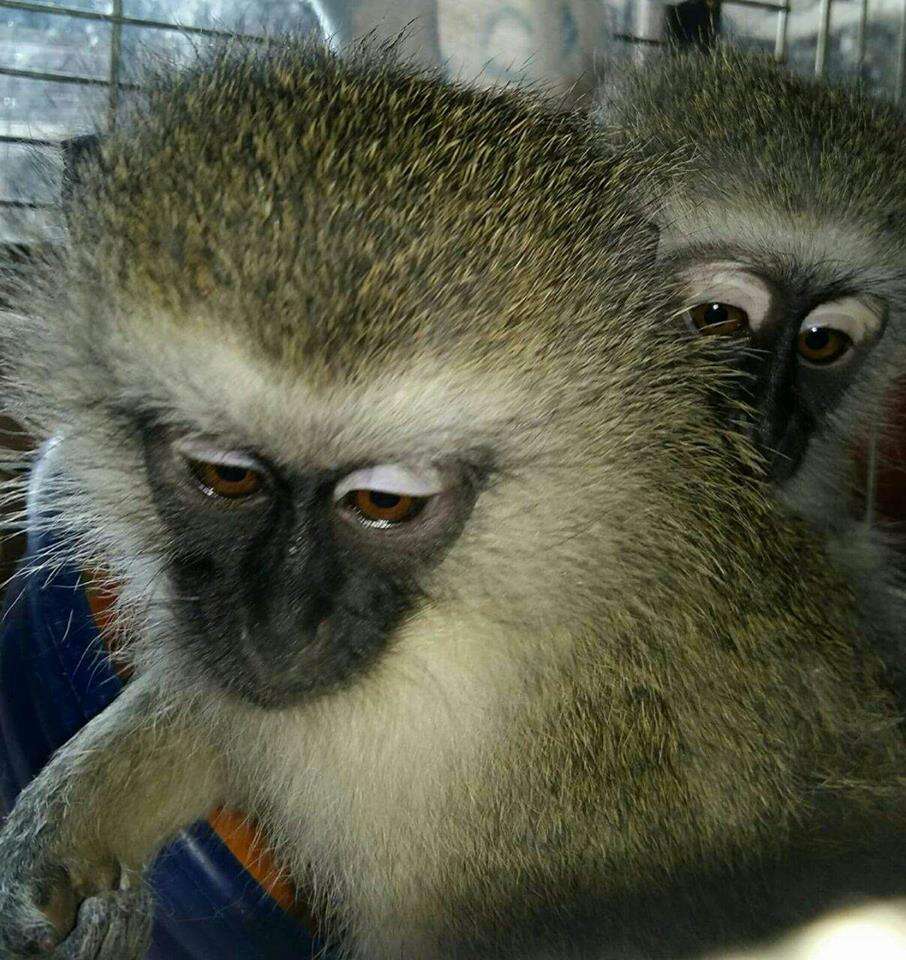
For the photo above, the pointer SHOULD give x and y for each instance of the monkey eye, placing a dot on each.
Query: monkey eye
(823, 345)
(228, 475)
(832, 331)
(727, 299)
(386, 496)
(718, 319)
(380, 509)
(221, 480)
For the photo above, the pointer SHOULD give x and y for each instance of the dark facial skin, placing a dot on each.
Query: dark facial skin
(791, 395)
(792, 398)
(286, 593)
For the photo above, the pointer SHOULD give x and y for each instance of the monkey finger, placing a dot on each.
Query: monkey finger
(129, 930)
(111, 926)
(90, 930)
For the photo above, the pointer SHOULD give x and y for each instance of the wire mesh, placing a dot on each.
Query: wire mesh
(64, 68)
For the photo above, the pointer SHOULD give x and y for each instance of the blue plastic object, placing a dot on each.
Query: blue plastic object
(54, 677)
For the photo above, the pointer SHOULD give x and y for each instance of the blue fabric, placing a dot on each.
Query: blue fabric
(54, 677)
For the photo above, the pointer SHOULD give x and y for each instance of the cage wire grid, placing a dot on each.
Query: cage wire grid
(114, 83)
(28, 133)
(115, 20)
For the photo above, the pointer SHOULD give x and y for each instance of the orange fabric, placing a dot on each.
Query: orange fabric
(247, 846)
(101, 602)
(239, 835)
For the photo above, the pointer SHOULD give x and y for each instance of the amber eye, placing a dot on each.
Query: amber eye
(223, 480)
(384, 509)
(823, 345)
(718, 319)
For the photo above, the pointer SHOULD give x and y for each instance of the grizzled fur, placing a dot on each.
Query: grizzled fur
(767, 138)
(625, 712)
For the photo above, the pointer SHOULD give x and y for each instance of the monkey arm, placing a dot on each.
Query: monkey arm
(99, 811)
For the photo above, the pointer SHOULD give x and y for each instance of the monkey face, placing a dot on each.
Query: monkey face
(294, 579)
(309, 525)
(367, 395)
(799, 329)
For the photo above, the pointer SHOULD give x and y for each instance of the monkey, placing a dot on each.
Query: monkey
(789, 233)
(434, 555)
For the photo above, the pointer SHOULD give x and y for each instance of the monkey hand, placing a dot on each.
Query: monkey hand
(65, 908)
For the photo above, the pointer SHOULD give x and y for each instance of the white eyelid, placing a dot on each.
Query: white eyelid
(860, 318)
(204, 452)
(392, 478)
(730, 283)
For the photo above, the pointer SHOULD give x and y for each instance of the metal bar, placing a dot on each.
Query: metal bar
(861, 37)
(29, 141)
(632, 38)
(26, 205)
(117, 20)
(116, 47)
(121, 20)
(901, 59)
(783, 20)
(648, 29)
(52, 77)
(757, 4)
(823, 37)
(54, 11)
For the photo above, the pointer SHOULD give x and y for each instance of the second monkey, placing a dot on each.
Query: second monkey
(789, 239)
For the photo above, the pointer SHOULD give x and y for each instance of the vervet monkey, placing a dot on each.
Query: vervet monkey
(790, 235)
(436, 558)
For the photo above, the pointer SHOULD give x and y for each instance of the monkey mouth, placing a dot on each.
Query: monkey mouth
(275, 681)
(266, 696)
(301, 672)
(269, 690)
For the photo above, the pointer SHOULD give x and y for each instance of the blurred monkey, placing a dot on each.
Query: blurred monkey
(789, 235)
